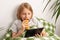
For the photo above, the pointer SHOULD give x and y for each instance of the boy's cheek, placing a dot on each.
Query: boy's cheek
(29, 18)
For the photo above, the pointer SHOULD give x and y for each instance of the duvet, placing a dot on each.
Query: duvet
(49, 28)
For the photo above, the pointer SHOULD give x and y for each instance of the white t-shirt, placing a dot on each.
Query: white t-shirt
(16, 26)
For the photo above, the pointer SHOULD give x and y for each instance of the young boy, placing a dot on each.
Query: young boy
(24, 21)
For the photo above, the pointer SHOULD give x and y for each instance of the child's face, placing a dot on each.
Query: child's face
(26, 14)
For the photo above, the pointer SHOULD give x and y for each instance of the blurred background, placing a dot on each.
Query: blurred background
(8, 10)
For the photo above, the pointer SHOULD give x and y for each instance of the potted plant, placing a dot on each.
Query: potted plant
(56, 7)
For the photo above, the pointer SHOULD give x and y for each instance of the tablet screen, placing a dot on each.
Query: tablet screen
(32, 32)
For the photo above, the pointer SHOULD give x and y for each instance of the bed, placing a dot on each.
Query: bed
(49, 28)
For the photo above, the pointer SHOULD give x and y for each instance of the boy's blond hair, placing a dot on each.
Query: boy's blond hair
(21, 7)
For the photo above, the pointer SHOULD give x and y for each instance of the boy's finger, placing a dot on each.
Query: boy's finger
(41, 34)
(35, 35)
(38, 35)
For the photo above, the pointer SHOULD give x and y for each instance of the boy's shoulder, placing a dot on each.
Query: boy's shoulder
(34, 19)
(17, 21)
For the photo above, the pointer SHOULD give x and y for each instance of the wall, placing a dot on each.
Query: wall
(8, 10)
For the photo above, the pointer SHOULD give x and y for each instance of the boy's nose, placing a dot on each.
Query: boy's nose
(26, 17)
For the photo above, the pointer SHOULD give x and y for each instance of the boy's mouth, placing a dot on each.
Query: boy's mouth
(26, 19)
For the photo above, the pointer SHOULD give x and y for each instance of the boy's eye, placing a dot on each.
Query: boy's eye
(28, 13)
(24, 13)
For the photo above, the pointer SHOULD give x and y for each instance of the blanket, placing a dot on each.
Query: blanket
(49, 28)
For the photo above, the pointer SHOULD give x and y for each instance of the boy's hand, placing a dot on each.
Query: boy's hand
(43, 33)
(25, 24)
(22, 29)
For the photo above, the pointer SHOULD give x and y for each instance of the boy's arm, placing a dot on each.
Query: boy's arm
(14, 34)
(24, 24)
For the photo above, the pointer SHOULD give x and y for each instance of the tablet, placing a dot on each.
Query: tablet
(32, 32)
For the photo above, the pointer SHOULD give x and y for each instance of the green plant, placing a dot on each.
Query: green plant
(55, 6)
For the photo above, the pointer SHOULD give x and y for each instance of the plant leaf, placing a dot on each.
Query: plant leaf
(55, 11)
(54, 5)
(58, 13)
(46, 5)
